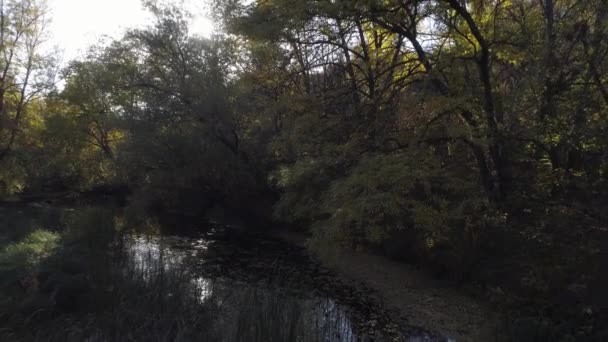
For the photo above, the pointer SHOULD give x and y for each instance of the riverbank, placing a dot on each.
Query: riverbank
(88, 273)
(421, 299)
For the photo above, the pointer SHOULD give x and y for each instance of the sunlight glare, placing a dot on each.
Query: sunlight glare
(77, 24)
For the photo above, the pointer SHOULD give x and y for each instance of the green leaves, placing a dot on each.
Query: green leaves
(25, 255)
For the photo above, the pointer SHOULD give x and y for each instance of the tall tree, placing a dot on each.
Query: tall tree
(23, 66)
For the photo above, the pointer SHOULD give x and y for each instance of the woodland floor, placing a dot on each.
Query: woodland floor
(425, 301)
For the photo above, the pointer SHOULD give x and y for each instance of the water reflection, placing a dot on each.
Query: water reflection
(240, 311)
(212, 287)
(203, 288)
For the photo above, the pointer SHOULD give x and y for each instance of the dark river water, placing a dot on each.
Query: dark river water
(217, 285)
(258, 289)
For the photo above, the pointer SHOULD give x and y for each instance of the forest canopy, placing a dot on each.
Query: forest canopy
(466, 136)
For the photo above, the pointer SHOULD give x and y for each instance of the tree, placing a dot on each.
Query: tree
(24, 69)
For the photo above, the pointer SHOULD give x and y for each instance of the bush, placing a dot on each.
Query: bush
(27, 254)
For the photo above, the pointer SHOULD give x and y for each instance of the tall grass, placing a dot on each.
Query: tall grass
(93, 283)
(49, 262)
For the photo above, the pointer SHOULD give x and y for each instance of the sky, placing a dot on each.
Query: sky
(76, 24)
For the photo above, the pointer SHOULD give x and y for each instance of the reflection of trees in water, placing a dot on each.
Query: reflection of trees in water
(233, 311)
(254, 314)
(195, 289)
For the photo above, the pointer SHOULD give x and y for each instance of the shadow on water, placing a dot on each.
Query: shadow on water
(233, 310)
(211, 286)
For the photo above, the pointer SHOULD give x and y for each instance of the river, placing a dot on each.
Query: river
(212, 284)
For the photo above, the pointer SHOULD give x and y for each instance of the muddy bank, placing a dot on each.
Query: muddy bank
(419, 298)
(289, 268)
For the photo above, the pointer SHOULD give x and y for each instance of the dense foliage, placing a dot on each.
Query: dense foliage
(469, 137)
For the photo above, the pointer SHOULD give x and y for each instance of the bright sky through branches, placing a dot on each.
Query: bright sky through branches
(76, 24)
